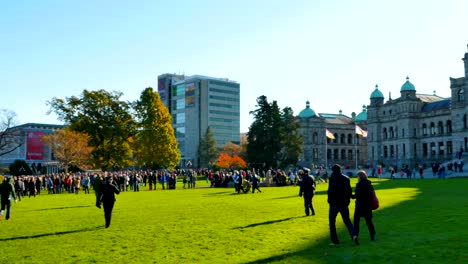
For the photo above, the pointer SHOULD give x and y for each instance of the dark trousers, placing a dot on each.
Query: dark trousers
(344, 211)
(255, 186)
(308, 205)
(367, 214)
(108, 207)
(6, 205)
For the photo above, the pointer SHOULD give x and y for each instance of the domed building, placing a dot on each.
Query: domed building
(339, 145)
(418, 129)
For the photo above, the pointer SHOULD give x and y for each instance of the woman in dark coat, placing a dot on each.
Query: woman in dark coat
(363, 196)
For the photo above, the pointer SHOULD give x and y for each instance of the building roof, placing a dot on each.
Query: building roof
(428, 98)
(407, 86)
(336, 119)
(40, 125)
(307, 112)
(376, 93)
(362, 116)
(438, 105)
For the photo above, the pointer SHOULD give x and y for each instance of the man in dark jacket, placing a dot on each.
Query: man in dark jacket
(339, 196)
(107, 198)
(7, 191)
(308, 189)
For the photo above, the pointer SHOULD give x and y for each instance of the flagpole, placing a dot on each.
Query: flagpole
(326, 152)
(355, 150)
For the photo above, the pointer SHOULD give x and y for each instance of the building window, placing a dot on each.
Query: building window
(440, 128)
(414, 132)
(315, 154)
(391, 132)
(433, 130)
(385, 151)
(404, 150)
(449, 147)
(441, 148)
(350, 139)
(180, 132)
(461, 95)
(449, 126)
(336, 138)
(464, 122)
(180, 104)
(342, 139)
(329, 153)
(180, 118)
(425, 150)
(350, 154)
(424, 130)
(433, 149)
(343, 154)
(315, 138)
(392, 151)
(403, 133)
(385, 133)
(335, 154)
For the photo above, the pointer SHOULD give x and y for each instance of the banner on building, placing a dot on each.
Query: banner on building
(34, 145)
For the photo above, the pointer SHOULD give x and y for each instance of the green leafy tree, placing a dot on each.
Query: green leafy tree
(273, 136)
(291, 141)
(106, 119)
(155, 143)
(263, 137)
(207, 151)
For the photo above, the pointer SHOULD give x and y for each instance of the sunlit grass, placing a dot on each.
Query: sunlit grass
(418, 222)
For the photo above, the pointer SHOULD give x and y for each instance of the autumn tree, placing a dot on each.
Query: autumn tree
(10, 138)
(106, 119)
(226, 161)
(231, 149)
(69, 148)
(207, 150)
(155, 143)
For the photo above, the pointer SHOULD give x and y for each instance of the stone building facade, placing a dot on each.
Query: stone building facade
(418, 129)
(347, 148)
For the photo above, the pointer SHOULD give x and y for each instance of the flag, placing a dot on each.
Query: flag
(361, 131)
(329, 134)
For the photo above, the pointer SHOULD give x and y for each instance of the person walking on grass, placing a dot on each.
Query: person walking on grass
(107, 198)
(308, 189)
(363, 195)
(339, 197)
(7, 191)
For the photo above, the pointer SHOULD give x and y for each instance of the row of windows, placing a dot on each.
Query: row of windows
(226, 99)
(223, 91)
(224, 113)
(235, 107)
(428, 149)
(335, 154)
(178, 90)
(228, 84)
(224, 127)
(178, 118)
(339, 138)
(224, 120)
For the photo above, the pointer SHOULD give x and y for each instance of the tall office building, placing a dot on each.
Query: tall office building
(196, 103)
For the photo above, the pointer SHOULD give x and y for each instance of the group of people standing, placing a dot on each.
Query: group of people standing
(339, 197)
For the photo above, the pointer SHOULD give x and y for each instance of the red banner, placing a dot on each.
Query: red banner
(34, 146)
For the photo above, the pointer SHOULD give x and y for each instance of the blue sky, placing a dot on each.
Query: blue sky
(331, 53)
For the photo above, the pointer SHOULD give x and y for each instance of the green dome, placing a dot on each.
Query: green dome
(307, 112)
(363, 115)
(407, 86)
(376, 93)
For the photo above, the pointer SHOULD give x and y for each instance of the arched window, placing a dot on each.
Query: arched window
(385, 151)
(449, 126)
(350, 139)
(335, 154)
(336, 138)
(461, 95)
(315, 138)
(392, 134)
(433, 149)
(424, 130)
(385, 133)
(433, 130)
(440, 128)
(392, 151)
(343, 154)
(342, 139)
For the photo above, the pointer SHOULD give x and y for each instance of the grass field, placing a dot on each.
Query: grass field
(419, 221)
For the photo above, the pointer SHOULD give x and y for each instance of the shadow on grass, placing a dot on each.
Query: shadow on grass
(285, 197)
(269, 222)
(60, 208)
(54, 233)
(217, 193)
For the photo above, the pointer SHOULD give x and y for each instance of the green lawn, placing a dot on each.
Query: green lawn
(420, 221)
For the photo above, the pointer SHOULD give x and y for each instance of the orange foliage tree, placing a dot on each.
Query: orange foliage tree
(226, 161)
